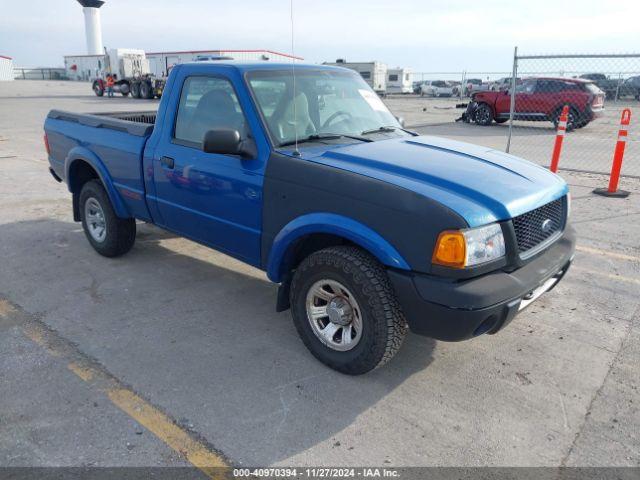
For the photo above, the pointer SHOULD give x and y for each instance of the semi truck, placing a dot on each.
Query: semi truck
(130, 70)
(367, 228)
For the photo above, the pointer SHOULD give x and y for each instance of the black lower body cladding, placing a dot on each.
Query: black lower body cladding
(453, 310)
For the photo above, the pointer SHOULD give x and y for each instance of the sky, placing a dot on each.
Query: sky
(425, 35)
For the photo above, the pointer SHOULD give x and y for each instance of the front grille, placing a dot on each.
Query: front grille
(529, 226)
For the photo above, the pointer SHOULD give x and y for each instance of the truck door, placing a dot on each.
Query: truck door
(212, 198)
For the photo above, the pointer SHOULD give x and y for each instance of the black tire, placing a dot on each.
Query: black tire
(135, 89)
(383, 323)
(483, 115)
(125, 89)
(97, 89)
(120, 232)
(574, 120)
(146, 91)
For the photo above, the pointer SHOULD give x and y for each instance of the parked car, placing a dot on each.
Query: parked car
(416, 86)
(501, 84)
(473, 85)
(436, 88)
(608, 85)
(540, 99)
(630, 88)
(365, 231)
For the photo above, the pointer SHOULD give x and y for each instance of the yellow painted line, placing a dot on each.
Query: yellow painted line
(167, 431)
(607, 253)
(6, 308)
(612, 276)
(197, 453)
(85, 373)
(38, 335)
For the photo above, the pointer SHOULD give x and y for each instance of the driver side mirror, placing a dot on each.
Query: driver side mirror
(227, 141)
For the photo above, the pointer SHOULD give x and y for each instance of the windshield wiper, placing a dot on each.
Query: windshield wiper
(324, 136)
(388, 128)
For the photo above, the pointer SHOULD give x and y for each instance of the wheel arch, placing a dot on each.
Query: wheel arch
(312, 232)
(82, 166)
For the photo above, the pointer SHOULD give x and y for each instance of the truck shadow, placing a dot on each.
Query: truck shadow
(196, 333)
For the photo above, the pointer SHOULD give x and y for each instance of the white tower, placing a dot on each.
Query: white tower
(92, 27)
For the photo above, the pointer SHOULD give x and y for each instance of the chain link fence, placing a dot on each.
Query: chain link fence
(21, 73)
(596, 88)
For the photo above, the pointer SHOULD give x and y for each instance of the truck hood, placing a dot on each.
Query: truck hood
(482, 185)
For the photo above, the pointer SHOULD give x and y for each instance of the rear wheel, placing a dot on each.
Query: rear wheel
(574, 119)
(146, 91)
(135, 89)
(346, 311)
(483, 115)
(108, 234)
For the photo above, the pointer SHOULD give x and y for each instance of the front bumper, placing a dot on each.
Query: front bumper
(453, 310)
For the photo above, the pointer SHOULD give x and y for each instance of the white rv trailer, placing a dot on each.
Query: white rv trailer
(374, 73)
(399, 80)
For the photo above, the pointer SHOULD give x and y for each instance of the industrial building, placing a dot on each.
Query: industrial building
(6, 68)
(161, 62)
(97, 61)
(90, 67)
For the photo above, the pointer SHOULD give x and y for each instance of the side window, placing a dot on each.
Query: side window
(269, 93)
(393, 77)
(207, 103)
(365, 75)
(527, 87)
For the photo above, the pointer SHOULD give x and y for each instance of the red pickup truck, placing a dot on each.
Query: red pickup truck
(540, 99)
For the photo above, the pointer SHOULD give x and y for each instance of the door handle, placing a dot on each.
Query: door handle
(167, 162)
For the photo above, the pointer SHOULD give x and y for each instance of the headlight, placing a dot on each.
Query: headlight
(470, 247)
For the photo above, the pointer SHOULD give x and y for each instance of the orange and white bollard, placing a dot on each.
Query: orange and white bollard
(557, 147)
(612, 189)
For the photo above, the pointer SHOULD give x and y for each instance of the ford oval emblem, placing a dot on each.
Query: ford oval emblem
(547, 225)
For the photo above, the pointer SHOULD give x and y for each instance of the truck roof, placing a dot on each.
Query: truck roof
(248, 66)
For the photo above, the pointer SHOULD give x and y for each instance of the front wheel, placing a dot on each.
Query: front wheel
(97, 89)
(346, 311)
(483, 115)
(108, 234)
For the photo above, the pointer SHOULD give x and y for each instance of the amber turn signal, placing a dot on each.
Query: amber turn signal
(450, 250)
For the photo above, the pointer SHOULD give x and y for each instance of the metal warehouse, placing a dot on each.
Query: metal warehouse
(89, 67)
(6, 68)
(161, 62)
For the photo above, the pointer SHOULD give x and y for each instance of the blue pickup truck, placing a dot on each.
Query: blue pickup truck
(368, 228)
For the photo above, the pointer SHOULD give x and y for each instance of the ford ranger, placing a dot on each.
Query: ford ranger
(368, 228)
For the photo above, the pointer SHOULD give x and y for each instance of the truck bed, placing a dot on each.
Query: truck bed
(135, 123)
(111, 142)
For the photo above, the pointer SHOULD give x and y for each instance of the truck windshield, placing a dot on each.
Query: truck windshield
(326, 102)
